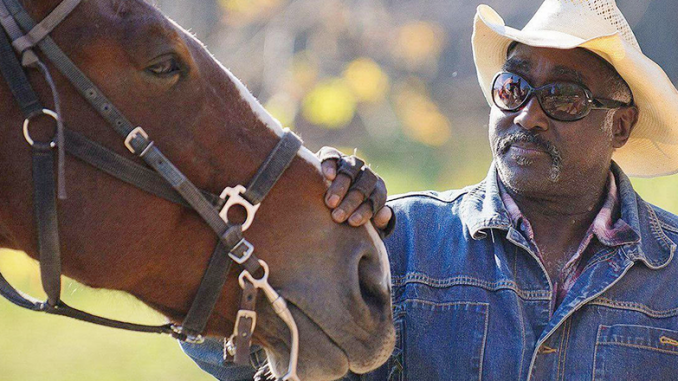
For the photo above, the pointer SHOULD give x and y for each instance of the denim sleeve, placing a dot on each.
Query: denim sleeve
(208, 356)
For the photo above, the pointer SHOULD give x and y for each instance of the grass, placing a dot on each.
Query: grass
(36, 346)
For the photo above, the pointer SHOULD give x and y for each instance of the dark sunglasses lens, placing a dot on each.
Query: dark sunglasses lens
(564, 101)
(509, 91)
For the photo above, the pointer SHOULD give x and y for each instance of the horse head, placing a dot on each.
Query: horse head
(335, 278)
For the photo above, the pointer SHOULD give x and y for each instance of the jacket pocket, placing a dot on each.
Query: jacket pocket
(635, 352)
(443, 341)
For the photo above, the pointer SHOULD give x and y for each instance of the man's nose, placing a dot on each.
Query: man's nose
(531, 116)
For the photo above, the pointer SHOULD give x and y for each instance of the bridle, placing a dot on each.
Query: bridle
(164, 180)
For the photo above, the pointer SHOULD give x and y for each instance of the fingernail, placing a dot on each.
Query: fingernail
(339, 214)
(355, 219)
(329, 172)
(333, 201)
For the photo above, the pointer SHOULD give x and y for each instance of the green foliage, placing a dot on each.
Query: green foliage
(40, 347)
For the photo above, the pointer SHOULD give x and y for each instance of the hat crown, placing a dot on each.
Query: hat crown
(583, 18)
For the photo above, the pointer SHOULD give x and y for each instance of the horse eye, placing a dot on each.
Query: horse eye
(167, 67)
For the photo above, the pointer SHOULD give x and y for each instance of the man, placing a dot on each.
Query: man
(552, 267)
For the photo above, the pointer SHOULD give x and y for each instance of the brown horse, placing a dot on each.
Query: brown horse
(115, 236)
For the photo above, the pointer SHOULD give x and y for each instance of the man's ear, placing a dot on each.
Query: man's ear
(624, 120)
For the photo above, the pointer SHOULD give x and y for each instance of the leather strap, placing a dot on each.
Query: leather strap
(230, 236)
(45, 26)
(127, 170)
(44, 201)
(17, 297)
(275, 165)
(209, 291)
(46, 215)
(245, 325)
(18, 81)
(8, 23)
(141, 144)
(79, 80)
(63, 309)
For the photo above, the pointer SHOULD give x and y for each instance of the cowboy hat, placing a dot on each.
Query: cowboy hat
(598, 26)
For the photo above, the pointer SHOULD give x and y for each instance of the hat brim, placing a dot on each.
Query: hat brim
(652, 149)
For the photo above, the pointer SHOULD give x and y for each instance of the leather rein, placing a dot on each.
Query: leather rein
(18, 41)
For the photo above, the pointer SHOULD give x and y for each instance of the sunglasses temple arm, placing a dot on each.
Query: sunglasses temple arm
(607, 104)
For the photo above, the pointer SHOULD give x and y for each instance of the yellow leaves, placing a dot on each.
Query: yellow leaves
(421, 117)
(367, 80)
(330, 104)
(419, 43)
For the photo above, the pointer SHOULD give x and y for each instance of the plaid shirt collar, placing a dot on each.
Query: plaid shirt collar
(608, 231)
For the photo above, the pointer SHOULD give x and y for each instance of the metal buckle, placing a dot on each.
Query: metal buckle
(191, 339)
(232, 196)
(229, 345)
(246, 255)
(132, 135)
(27, 122)
(245, 314)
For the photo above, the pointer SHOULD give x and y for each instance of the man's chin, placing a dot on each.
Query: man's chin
(524, 177)
(519, 170)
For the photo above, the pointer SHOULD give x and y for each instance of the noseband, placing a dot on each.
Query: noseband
(164, 180)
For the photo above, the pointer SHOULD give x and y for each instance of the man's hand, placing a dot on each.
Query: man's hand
(356, 194)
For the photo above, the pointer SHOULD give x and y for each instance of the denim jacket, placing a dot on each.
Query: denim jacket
(472, 300)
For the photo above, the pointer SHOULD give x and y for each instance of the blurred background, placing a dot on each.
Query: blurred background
(393, 79)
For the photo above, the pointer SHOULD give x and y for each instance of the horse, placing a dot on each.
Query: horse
(113, 235)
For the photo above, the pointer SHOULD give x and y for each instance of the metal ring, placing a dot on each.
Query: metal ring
(233, 196)
(257, 283)
(27, 122)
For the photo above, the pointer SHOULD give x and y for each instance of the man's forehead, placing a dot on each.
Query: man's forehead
(574, 65)
(520, 65)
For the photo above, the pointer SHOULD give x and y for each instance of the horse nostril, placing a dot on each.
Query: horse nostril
(374, 287)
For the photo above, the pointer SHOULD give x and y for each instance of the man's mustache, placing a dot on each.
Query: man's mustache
(505, 142)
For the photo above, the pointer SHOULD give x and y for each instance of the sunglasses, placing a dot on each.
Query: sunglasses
(562, 101)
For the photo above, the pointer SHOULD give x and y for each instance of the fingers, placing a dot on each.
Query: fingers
(337, 190)
(328, 157)
(378, 196)
(349, 207)
(382, 218)
(361, 216)
(365, 182)
(346, 169)
(356, 193)
(350, 166)
(329, 168)
(353, 207)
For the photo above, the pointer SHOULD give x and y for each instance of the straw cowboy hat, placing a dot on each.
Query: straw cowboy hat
(598, 26)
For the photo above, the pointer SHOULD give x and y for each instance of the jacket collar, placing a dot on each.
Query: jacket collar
(482, 209)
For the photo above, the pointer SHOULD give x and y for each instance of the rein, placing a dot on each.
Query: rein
(164, 180)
